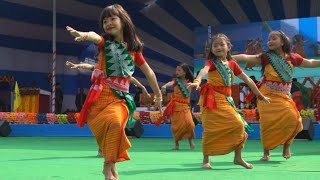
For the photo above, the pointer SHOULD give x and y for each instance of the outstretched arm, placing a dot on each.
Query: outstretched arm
(253, 87)
(79, 66)
(253, 59)
(310, 63)
(84, 36)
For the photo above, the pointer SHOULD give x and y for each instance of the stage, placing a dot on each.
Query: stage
(150, 130)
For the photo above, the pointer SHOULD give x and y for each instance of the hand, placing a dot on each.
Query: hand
(72, 65)
(144, 91)
(265, 99)
(193, 85)
(158, 105)
(163, 90)
(79, 36)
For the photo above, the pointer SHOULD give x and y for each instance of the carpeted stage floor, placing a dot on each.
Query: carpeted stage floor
(74, 158)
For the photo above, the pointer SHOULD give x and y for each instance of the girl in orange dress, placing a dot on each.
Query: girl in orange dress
(280, 120)
(178, 109)
(109, 105)
(223, 126)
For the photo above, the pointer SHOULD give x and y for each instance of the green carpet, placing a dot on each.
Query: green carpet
(42, 158)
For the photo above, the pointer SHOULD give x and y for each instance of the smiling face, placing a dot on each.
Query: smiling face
(112, 25)
(274, 41)
(220, 47)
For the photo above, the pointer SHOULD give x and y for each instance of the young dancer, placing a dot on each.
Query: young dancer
(109, 105)
(178, 109)
(223, 126)
(280, 120)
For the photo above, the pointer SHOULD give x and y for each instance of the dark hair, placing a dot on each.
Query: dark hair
(225, 38)
(129, 31)
(294, 79)
(189, 75)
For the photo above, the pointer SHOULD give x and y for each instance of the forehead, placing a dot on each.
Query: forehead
(219, 41)
(274, 35)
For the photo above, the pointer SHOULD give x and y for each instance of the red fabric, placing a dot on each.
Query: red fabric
(92, 96)
(170, 109)
(208, 91)
(294, 58)
(233, 65)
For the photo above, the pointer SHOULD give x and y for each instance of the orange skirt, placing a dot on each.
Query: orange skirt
(182, 125)
(107, 119)
(280, 120)
(223, 129)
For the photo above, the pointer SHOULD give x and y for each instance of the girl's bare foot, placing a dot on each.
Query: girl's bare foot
(192, 145)
(243, 163)
(114, 172)
(176, 146)
(206, 163)
(266, 155)
(99, 153)
(286, 151)
(206, 166)
(108, 175)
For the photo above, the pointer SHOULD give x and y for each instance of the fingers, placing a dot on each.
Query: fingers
(69, 28)
(79, 38)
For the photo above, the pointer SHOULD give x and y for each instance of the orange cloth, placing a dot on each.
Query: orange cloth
(107, 119)
(182, 125)
(280, 120)
(223, 129)
(107, 115)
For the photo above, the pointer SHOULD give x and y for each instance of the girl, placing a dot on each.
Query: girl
(223, 126)
(182, 125)
(280, 121)
(109, 105)
(88, 66)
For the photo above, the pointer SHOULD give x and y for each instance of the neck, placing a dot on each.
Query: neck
(280, 52)
(182, 78)
(119, 38)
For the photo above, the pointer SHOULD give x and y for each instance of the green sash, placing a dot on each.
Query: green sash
(281, 66)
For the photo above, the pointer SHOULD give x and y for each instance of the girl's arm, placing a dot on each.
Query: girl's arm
(164, 87)
(196, 83)
(310, 63)
(78, 66)
(84, 36)
(253, 59)
(137, 83)
(253, 87)
(152, 79)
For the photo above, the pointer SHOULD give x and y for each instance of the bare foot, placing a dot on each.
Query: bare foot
(286, 151)
(99, 153)
(192, 146)
(265, 157)
(175, 148)
(108, 175)
(243, 163)
(115, 172)
(206, 166)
